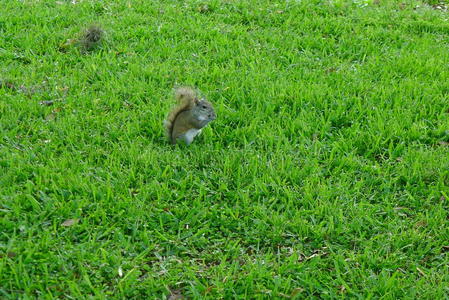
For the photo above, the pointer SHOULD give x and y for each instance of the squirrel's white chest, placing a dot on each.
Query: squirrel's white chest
(189, 135)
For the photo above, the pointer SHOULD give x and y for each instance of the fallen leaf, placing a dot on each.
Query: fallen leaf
(50, 117)
(443, 143)
(64, 90)
(7, 84)
(296, 291)
(8, 254)
(69, 222)
(47, 103)
(120, 271)
(440, 6)
(127, 104)
(175, 295)
(204, 8)
(316, 253)
(284, 295)
(312, 256)
(420, 271)
(27, 90)
(399, 208)
(420, 224)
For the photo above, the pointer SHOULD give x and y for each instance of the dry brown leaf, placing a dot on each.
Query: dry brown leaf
(399, 208)
(421, 224)
(296, 291)
(440, 6)
(420, 271)
(64, 90)
(175, 295)
(70, 222)
(204, 8)
(47, 103)
(9, 254)
(7, 84)
(50, 117)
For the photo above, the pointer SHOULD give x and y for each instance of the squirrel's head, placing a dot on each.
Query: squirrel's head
(203, 111)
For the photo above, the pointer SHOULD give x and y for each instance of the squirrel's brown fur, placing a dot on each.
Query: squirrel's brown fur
(186, 98)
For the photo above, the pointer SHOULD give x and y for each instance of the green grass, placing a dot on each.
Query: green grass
(326, 174)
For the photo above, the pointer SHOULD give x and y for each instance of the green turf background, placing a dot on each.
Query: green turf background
(325, 175)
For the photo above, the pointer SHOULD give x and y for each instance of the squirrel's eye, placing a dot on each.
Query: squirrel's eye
(203, 106)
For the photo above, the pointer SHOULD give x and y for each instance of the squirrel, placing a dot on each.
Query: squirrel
(185, 121)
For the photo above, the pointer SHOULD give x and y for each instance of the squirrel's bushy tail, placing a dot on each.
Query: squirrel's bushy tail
(185, 97)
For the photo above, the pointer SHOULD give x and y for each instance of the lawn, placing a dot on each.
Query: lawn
(325, 175)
